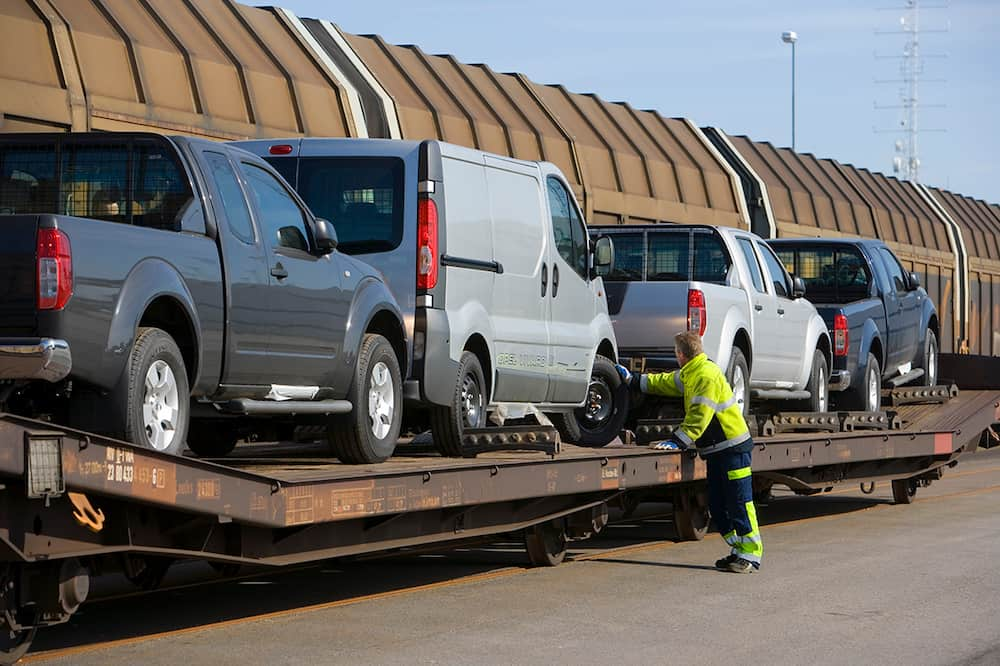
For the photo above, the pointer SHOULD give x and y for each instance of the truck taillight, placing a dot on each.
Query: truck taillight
(427, 243)
(55, 269)
(697, 315)
(841, 336)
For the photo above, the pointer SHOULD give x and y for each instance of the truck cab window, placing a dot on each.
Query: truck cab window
(233, 201)
(778, 275)
(570, 236)
(746, 247)
(281, 219)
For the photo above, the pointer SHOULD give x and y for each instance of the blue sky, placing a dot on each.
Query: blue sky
(723, 64)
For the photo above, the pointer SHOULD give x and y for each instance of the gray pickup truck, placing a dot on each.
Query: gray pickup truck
(170, 290)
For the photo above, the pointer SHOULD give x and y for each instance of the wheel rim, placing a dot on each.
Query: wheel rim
(160, 406)
(873, 391)
(381, 400)
(739, 386)
(931, 365)
(821, 389)
(600, 404)
(472, 402)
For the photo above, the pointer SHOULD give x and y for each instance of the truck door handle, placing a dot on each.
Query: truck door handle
(781, 310)
(279, 271)
(758, 307)
(555, 280)
(545, 279)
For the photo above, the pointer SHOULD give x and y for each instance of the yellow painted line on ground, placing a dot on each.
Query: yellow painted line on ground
(464, 580)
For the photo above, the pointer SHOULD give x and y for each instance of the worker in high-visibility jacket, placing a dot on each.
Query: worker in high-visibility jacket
(714, 426)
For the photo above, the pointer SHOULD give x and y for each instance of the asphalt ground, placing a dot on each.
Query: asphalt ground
(847, 578)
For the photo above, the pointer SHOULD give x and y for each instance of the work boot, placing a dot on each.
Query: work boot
(739, 565)
(724, 563)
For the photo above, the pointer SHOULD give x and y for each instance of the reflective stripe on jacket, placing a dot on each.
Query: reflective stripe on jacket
(713, 419)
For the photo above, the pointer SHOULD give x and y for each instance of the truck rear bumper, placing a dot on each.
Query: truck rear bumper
(34, 358)
(840, 380)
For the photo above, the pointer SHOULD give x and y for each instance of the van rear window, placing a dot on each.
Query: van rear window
(361, 196)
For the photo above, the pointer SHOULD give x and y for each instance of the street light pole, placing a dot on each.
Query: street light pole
(790, 37)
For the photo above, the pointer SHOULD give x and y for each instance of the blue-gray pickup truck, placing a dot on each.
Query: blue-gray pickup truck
(883, 325)
(150, 283)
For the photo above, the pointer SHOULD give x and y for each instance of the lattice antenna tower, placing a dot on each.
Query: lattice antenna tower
(906, 160)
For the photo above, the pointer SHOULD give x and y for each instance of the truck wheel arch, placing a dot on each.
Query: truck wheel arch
(388, 324)
(154, 294)
(374, 310)
(607, 350)
(742, 341)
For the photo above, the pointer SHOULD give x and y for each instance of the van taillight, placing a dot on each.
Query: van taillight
(427, 243)
(841, 336)
(697, 315)
(55, 270)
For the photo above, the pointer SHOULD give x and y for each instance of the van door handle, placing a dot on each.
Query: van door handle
(758, 307)
(781, 310)
(545, 279)
(555, 280)
(279, 271)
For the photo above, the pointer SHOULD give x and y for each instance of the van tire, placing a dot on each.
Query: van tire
(601, 418)
(467, 409)
(363, 437)
(819, 385)
(142, 406)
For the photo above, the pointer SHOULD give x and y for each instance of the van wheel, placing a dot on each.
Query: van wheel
(738, 376)
(154, 394)
(929, 360)
(467, 409)
(211, 439)
(370, 432)
(819, 388)
(868, 396)
(602, 416)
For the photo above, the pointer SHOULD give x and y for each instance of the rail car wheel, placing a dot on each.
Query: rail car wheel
(904, 490)
(14, 643)
(691, 516)
(546, 543)
(468, 408)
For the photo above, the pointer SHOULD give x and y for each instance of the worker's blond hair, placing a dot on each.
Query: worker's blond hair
(688, 343)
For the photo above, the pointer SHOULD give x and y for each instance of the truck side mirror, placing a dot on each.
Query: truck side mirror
(798, 287)
(914, 282)
(326, 236)
(604, 255)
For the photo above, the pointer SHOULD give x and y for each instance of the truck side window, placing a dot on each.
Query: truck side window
(160, 188)
(629, 257)
(746, 247)
(711, 261)
(774, 267)
(282, 221)
(235, 205)
(895, 270)
(570, 236)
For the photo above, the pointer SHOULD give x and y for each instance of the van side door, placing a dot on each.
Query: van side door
(245, 269)
(573, 304)
(520, 309)
(304, 309)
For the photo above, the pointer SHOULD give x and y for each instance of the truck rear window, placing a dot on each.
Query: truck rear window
(362, 197)
(833, 274)
(668, 255)
(132, 182)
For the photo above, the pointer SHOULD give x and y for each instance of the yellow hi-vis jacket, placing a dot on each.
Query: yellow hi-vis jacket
(713, 420)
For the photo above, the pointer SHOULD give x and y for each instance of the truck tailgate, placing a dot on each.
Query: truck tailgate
(646, 315)
(17, 274)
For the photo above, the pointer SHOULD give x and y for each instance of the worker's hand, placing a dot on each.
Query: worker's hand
(668, 445)
(624, 373)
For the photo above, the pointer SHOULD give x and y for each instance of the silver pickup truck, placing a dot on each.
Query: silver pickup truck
(728, 285)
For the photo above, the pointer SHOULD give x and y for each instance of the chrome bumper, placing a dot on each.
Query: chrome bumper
(840, 380)
(34, 358)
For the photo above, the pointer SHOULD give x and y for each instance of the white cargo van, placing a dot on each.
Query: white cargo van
(489, 259)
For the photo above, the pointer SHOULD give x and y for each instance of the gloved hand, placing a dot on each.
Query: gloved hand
(669, 445)
(624, 373)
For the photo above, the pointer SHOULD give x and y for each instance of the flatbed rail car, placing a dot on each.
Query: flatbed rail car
(75, 504)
